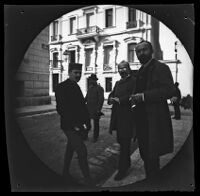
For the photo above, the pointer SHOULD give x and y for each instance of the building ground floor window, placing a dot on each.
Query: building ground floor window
(55, 81)
(108, 84)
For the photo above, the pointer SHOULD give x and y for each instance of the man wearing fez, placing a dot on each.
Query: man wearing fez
(121, 117)
(75, 121)
(94, 99)
(154, 85)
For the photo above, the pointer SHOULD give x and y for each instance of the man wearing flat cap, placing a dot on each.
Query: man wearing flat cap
(94, 99)
(75, 121)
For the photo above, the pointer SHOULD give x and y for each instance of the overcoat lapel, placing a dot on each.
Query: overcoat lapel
(150, 73)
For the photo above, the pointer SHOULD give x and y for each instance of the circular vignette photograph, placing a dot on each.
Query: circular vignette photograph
(102, 101)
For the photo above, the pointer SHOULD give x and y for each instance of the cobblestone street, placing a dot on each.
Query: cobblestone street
(46, 139)
(48, 142)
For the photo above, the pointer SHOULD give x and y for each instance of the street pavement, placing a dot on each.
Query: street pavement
(103, 164)
(181, 129)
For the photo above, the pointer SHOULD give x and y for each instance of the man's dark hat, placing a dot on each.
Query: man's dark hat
(76, 66)
(93, 77)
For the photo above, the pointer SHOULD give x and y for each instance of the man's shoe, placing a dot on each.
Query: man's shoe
(120, 176)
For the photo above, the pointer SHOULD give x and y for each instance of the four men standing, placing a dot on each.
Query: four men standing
(139, 110)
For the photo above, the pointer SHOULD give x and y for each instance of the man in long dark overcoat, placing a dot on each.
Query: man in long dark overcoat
(121, 116)
(154, 85)
(75, 121)
(94, 101)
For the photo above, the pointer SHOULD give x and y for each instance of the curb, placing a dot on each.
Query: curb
(23, 114)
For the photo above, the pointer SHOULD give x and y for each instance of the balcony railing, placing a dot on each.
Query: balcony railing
(134, 24)
(107, 67)
(54, 37)
(131, 24)
(88, 30)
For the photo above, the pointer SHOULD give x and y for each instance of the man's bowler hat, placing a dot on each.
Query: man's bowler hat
(93, 77)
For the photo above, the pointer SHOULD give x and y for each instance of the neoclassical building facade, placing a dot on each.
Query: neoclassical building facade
(99, 37)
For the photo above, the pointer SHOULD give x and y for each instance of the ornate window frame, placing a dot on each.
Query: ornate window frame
(114, 16)
(133, 40)
(76, 27)
(112, 43)
(90, 45)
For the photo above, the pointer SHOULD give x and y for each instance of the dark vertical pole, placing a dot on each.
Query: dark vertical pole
(176, 60)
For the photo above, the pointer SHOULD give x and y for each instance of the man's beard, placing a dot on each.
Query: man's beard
(123, 74)
(144, 59)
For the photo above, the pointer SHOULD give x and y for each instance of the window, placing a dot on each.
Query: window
(108, 84)
(109, 17)
(88, 56)
(131, 52)
(55, 59)
(89, 20)
(131, 15)
(72, 56)
(54, 30)
(72, 25)
(107, 57)
(55, 81)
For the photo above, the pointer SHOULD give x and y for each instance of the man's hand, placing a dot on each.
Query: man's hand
(137, 98)
(173, 99)
(76, 128)
(116, 99)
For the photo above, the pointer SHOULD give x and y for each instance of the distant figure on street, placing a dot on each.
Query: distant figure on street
(121, 117)
(154, 85)
(94, 100)
(75, 121)
(176, 102)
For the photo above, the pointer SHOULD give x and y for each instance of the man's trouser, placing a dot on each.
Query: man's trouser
(177, 111)
(124, 157)
(75, 143)
(96, 129)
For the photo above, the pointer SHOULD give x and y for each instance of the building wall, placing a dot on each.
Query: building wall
(119, 36)
(32, 78)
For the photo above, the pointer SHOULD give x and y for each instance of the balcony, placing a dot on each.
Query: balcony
(55, 37)
(107, 68)
(131, 24)
(87, 32)
(134, 24)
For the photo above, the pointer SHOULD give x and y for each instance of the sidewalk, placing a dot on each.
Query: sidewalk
(32, 110)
